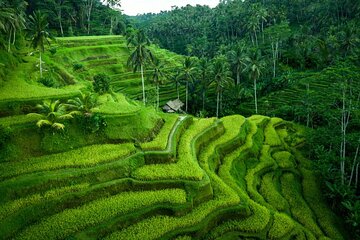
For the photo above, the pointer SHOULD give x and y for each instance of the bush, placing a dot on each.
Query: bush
(5, 134)
(101, 83)
(53, 50)
(47, 81)
(78, 66)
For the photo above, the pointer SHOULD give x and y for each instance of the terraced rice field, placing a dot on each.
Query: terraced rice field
(109, 55)
(150, 175)
(229, 178)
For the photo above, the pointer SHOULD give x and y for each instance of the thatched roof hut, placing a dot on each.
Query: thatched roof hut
(173, 106)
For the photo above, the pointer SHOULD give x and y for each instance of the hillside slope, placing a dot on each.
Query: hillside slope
(148, 175)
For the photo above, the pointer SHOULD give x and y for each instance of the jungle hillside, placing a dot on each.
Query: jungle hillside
(240, 121)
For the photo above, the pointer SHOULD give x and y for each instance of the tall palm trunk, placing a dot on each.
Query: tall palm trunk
(60, 22)
(238, 77)
(143, 83)
(255, 96)
(217, 104)
(158, 97)
(203, 102)
(187, 91)
(178, 90)
(9, 42)
(41, 70)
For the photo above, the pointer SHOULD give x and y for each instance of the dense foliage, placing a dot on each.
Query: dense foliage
(298, 60)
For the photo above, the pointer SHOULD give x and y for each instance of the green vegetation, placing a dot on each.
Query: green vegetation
(87, 154)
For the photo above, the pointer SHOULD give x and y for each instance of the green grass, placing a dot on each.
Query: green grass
(83, 157)
(186, 161)
(72, 220)
(161, 140)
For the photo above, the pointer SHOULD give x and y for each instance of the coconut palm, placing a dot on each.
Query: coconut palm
(53, 114)
(158, 77)
(140, 56)
(12, 20)
(204, 78)
(187, 76)
(255, 66)
(83, 104)
(39, 36)
(176, 80)
(221, 75)
(253, 27)
(238, 58)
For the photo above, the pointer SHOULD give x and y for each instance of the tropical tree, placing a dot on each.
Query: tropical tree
(255, 66)
(83, 104)
(221, 75)
(262, 14)
(176, 80)
(158, 77)
(38, 34)
(238, 58)
(204, 78)
(12, 21)
(53, 114)
(16, 21)
(187, 75)
(140, 56)
(253, 27)
(277, 34)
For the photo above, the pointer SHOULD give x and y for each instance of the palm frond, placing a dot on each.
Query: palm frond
(43, 122)
(58, 126)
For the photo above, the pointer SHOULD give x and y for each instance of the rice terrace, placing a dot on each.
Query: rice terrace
(239, 120)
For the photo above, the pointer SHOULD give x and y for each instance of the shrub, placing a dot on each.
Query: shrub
(53, 50)
(78, 66)
(101, 83)
(47, 81)
(284, 160)
(5, 134)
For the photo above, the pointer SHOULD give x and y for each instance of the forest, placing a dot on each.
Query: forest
(271, 118)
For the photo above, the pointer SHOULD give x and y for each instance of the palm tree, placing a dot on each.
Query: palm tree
(38, 34)
(253, 26)
(222, 78)
(238, 59)
(158, 76)
(140, 56)
(254, 67)
(52, 113)
(187, 76)
(262, 14)
(175, 78)
(12, 20)
(83, 104)
(203, 68)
